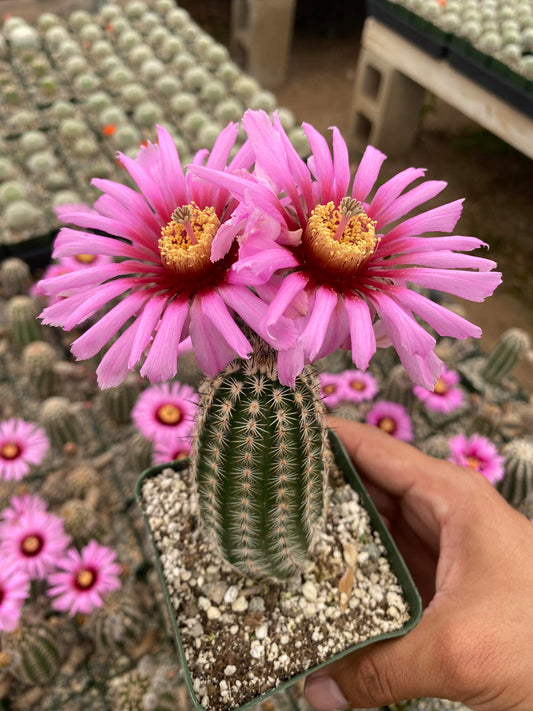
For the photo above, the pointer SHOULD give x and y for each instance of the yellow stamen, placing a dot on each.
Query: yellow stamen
(340, 239)
(329, 389)
(473, 463)
(85, 258)
(10, 450)
(387, 424)
(85, 578)
(180, 456)
(357, 385)
(169, 414)
(31, 544)
(185, 242)
(440, 387)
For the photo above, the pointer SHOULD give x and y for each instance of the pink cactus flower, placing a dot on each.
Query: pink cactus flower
(19, 505)
(22, 445)
(14, 589)
(479, 453)
(392, 418)
(171, 449)
(445, 396)
(165, 410)
(35, 541)
(168, 285)
(84, 579)
(345, 261)
(358, 386)
(331, 389)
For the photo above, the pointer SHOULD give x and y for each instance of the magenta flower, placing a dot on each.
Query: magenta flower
(169, 287)
(22, 445)
(331, 389)
(170, 449)
(165, 410)
(35, 541)
(14, 589)
(336, 257)
(479, 453)
(445, 396)
(358, 386)
(19, 505)
(67, 265)
(392, 418)
(84, 578)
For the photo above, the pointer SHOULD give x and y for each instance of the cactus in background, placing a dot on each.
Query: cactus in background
(81, 522)
(21, 317)
(34, 652)
(436, 446)
(58, 421)
(398, 388)
(518, 481)
(14, 276)
(120, 619)
(260, 458)
(503, 357)
(38, 359)
(140, 452)
(118, 402)
(526, 507)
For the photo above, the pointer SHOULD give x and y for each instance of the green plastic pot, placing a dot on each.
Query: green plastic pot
(395, 559)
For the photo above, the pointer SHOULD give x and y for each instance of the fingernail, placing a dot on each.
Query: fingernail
(323, 693)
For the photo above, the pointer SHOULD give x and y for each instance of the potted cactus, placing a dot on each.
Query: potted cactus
(268, 263)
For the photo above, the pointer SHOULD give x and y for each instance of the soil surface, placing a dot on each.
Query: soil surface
(494, 178)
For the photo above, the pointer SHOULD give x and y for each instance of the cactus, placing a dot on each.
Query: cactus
(147, 114)
(436, 446)
(34, 652)
(81, 521)
(140, 452)
(33, 141)
(526, 507)
(118, 402)
(58, 421)
(261, 514)
(398, 387)
(21, 316)
(120, 620)
(503, 357)
(517, 483)
(14, 277)
(38, 359)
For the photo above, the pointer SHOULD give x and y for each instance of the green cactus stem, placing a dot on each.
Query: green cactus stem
(398, 388)
(58, 421)
(517, 483)
(38, 359)
(260, 460)
(21, 317)
(503, 357)
(34, 652)
(120, 620)
(14, 277)
(118, 402)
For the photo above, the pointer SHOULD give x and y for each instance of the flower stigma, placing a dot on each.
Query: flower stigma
(387, 424)
(10, 450)
(340, 239)
(85, 258)
(31, 545)
(185, 242)
(473, 463)
(440, 387)
(169, 414)
(85, 579)
(357, 385)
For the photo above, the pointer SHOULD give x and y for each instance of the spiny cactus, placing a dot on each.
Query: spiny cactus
(526, 507)
(58, 421)
(260, 460)
(503, 357)
(398, 388)
(38, 359)
(21, 316)
(14, 277)
(436, 446)
(118, 402)
(518, 481)
(35, 653)
(121, 619)
(81, 521)
(140, 452)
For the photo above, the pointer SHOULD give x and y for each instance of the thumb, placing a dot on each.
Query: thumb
(380, 674)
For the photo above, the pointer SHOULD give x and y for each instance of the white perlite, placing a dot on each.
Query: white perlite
(259, 635)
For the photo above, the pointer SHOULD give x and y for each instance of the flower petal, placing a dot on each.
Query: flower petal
(367, 173)
(361, 331)
(215, 310)
(290, 288)
(161, 360)
(314, 332)
(341, 165)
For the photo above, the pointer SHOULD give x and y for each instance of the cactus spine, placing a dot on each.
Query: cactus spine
(34, 652)
(503, 357)
(518, 481)
(14, 277)
(38, 358)
(398, 388)
(260, 458)
(58, 421)
(22, 321)
(118, 402)
(120, 620)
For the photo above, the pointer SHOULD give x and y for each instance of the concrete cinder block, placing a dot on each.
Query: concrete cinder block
(261, 37)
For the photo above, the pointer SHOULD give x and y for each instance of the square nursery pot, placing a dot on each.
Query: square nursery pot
(392, 554)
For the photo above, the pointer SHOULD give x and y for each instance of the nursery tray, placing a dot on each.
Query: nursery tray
(420, 32)
(491, 74)
(396, 561)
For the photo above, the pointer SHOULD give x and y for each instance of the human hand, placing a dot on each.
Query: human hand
(471, 556)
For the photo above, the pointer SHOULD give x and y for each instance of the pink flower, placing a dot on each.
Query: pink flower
(479, 453)
(22, 444)
(19, 505)
(358, 386)
(331, 389)
(85, 578)
(171, 449)
(165, 410)
(444, 397)
(392, 418)
(35, 541)
(337, 258)
(14, 589)
(169, 287)
(67, 265)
